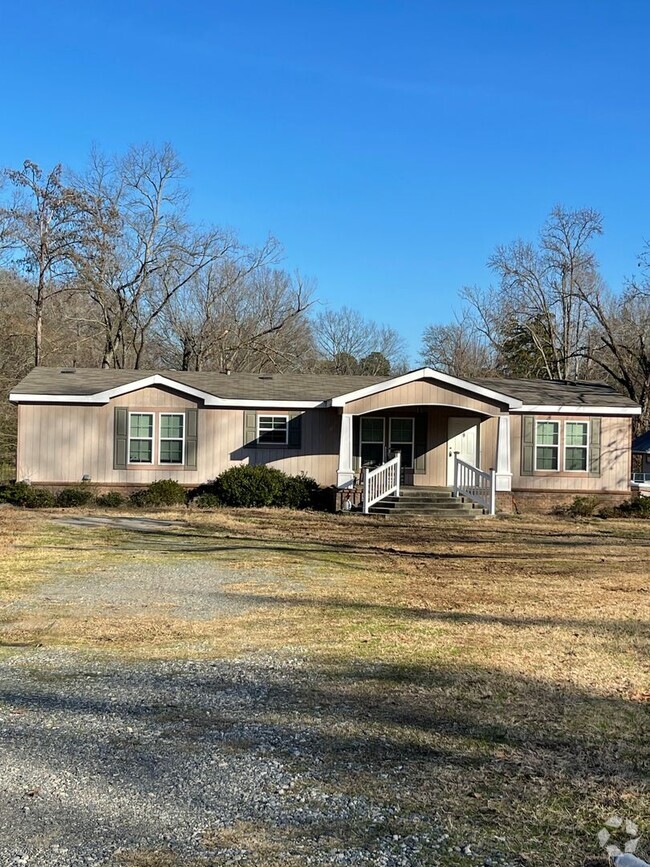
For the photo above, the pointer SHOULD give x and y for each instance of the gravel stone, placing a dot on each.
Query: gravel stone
(99, 754)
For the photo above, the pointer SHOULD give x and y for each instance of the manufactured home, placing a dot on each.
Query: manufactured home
(528, 444)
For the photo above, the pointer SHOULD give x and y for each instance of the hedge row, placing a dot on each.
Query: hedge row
(245, 486)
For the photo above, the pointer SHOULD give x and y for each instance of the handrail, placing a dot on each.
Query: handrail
(381, 482)
(477, 485)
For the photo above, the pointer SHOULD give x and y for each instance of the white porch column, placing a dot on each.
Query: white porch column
(345, 472)
(503, 468)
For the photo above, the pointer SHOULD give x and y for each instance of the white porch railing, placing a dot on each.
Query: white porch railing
(475, 484)
(381, 482)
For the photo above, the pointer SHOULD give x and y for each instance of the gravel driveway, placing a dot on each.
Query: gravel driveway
(99, 755)
(263, 761)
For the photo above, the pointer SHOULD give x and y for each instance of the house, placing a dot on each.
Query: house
(534, 443)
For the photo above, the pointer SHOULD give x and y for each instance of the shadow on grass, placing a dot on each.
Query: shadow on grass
(406, 613)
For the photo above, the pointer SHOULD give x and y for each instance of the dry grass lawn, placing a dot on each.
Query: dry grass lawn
(492, 675)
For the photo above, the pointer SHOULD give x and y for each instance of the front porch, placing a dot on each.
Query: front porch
(430, 441)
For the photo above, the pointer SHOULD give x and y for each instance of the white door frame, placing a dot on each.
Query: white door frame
(450, 448)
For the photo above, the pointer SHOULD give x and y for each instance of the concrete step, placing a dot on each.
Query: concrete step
(434, 502)
(418, 501)
(461, 514)
(420, 507)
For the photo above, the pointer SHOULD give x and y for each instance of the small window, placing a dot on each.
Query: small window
(273, 430)
(172, 429)
(141, 438)
(576, 443)
(547, 438)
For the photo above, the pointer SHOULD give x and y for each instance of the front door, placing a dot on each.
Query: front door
(462, 437)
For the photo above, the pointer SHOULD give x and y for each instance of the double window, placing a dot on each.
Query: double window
(168, 447)
(574, 447)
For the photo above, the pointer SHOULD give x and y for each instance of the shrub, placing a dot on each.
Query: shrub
(299, 492)
(207, 501)
(639, 507)
(70, 497)
(255, 487)
(250, 486)
(22, 494)
(111, 500)
(582, 507)
(164, 492)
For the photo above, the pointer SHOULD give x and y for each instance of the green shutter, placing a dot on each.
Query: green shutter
(527, 445)
(250, 430)
(191, 434)
(356, 443)
(120, 437)
(594, 447)
(420, 442)
(294, 439)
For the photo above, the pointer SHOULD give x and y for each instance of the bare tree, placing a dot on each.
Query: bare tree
(345, 338)
(241, 313)
(39, 237)
(542, 290)
(139, 248)
(620, 341)
(458, 349)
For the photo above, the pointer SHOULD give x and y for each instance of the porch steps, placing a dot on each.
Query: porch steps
(427, 503)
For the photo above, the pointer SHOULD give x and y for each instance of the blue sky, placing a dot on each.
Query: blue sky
(389, 145)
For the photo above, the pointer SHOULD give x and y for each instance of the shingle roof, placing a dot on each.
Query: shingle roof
(55, 381)
(558, 392)
(238, 386)
(642, 443)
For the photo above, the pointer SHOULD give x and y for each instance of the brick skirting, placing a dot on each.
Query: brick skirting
(522, 502)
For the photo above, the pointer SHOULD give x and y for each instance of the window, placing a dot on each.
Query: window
(576, 443)
(372, 441)
(273, 430)
(141, 438)
(547, 438)
(401, 439)
(172, 429)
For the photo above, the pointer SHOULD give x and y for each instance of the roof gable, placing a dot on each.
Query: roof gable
(428, 373)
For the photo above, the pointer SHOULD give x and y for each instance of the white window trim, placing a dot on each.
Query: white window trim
(585, 447)
(410, 442)
(151, 439)
(546, 445)
(371, 442)
(264, 445)
(162, 439)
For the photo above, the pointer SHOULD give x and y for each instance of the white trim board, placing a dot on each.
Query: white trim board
(580, 410)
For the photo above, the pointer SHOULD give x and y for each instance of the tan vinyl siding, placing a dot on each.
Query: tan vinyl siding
(616, 434)
(60, 443)
(421, 393)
